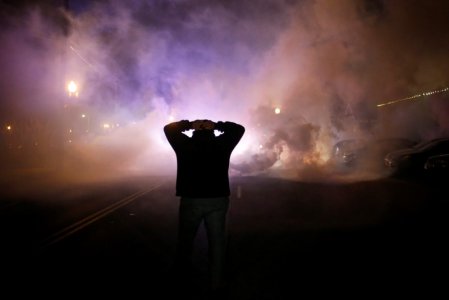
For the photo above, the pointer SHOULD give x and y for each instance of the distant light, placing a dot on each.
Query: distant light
(83, 116)
(423, 94)
(260, 146)
(277, 110)
(8, 127)
(106, 126)
(72, 88)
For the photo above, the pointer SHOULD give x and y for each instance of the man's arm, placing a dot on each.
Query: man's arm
(173, 132)
(232, 132)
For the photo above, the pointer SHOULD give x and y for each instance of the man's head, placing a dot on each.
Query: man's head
(203, 130)
(203, 125)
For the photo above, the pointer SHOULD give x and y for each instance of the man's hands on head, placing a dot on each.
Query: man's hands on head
(203, 125)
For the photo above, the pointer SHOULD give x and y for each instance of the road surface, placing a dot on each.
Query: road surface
(286, 238)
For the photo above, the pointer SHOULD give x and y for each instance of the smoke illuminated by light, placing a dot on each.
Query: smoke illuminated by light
(299, 75)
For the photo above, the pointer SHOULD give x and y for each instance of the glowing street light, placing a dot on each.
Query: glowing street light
(84, 116)
(414, 97)
(72, 88)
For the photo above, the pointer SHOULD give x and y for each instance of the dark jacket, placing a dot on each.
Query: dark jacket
(203, 161)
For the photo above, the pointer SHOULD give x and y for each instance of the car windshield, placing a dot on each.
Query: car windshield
(421, 145)
(429, 144)
(440, 156)
(347, 146)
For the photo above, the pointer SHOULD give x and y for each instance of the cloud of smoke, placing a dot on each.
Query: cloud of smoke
(324, 65)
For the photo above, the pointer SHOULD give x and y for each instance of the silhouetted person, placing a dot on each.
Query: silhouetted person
(203, 184)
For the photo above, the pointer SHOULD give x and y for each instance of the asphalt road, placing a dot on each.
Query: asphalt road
(286, 238)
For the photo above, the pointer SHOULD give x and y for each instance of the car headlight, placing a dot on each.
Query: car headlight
(405, 157)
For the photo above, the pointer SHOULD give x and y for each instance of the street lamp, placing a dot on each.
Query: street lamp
(72, 88)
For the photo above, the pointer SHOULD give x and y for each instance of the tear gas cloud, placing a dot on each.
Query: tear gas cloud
(299, 75)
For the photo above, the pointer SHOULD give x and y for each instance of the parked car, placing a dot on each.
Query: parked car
(344, 152)
(381, 147)
(437, 163)
(437, 168)
(412, 161)
(367, 153)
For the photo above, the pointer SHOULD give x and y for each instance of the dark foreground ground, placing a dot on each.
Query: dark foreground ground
(287, 240)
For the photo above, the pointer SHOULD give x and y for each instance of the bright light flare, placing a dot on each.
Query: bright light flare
(72, 88)
(106, 126)
(277, 110)
(8, 127)
(247, 146)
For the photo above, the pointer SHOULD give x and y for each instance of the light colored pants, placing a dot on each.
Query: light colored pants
(212, 211)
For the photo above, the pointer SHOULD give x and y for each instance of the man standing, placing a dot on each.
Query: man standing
(202, 182)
